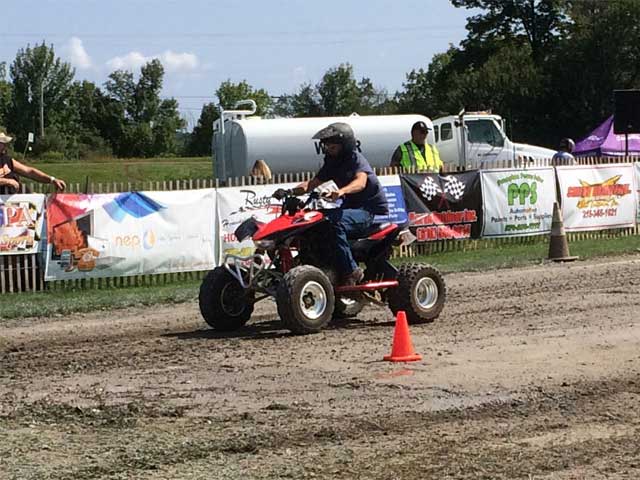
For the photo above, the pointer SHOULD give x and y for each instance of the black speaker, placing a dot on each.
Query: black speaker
(626, 118)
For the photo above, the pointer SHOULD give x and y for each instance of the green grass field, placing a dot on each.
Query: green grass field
(110, 170)
(63, 302)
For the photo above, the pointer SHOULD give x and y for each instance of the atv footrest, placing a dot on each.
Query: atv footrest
(366, 287)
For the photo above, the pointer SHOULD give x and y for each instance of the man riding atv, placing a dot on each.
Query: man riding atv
(359, 188)
(306, 259)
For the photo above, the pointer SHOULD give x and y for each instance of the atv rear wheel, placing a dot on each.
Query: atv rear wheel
(305, 300)
(421, 292)
(224, 304)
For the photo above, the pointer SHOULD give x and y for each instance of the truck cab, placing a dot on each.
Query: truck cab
(478, 140)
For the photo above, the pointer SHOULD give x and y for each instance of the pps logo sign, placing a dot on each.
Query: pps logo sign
(522, 188)
(522, 192)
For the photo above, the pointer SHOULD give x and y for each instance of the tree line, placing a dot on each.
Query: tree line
(548, 66)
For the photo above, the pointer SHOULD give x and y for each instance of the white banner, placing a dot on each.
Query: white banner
(517, 202)
(596, 197)
(236, 204)
(134, 233)
(21, 223)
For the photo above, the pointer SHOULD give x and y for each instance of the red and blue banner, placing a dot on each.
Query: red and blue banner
(133, 233)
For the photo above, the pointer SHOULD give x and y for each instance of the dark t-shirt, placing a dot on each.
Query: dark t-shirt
(343, 172)
(6, 171)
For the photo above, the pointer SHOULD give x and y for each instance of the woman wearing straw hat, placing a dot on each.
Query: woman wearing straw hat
(11, 170)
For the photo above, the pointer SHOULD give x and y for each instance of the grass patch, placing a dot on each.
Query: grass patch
(129, 170)
(63, 302)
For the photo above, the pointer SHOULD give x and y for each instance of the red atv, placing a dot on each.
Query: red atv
(294, 263)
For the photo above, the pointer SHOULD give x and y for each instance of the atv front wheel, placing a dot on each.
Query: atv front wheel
(305, 300)
(224, 304)
(421, 292)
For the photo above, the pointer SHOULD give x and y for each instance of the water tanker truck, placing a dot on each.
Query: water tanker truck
(285, 144)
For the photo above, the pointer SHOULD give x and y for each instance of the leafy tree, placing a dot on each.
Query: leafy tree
(111, 121)
(5, 95)
(535, 22)
(228, 94)
(147, 92)
(33, 71)
(134, 117)
(167, 124)
(121, 88)
(83, 119)
(338, 93)
(305, 103)
(601, 53)
(421, 88)
(202, 135)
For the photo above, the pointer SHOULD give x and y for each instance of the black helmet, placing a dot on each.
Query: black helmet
(338, 132)
(567, 145)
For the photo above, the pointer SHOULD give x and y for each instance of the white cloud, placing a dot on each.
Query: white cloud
(172, 61)
(179, 62)
(77, 54)
(130, 61)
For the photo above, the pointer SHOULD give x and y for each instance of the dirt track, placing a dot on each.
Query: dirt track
(529, 373)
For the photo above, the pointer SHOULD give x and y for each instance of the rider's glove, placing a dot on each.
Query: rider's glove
(280, 193)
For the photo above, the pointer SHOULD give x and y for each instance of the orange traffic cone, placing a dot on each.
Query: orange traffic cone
(402, 350)
(558, 245)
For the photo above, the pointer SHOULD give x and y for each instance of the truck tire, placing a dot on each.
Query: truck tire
(421, 293)
(305, 300)
(224, 304)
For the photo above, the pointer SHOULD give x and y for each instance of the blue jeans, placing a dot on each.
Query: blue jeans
(347, 223)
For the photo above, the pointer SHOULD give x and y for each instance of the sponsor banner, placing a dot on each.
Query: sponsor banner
(596, 197)
(518, 202)
(637, 170)
(21, 223)
(393, 191)
(133, 233)
(443, 206)
(237, 204)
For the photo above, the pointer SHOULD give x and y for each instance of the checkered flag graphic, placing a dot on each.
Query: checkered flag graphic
(454, 187)
(429, 188)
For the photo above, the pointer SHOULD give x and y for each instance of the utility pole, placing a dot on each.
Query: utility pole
(42, 108)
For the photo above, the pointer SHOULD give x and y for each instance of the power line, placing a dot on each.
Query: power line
(322, 32)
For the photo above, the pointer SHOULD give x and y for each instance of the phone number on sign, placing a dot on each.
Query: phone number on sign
(600, 212)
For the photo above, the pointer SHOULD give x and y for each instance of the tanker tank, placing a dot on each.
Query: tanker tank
(286, 144)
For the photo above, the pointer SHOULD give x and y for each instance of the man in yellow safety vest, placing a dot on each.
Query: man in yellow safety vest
(417, 153)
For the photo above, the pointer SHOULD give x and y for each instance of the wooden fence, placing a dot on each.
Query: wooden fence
(22, 273)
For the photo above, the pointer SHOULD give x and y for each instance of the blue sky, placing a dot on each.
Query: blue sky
(276, 45)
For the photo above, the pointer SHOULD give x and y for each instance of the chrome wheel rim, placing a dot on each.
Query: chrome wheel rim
(426, 293)
(313, 300)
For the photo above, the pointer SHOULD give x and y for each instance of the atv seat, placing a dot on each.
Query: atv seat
(376, 231)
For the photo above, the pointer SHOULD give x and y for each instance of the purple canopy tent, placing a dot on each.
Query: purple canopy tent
(602, 142)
